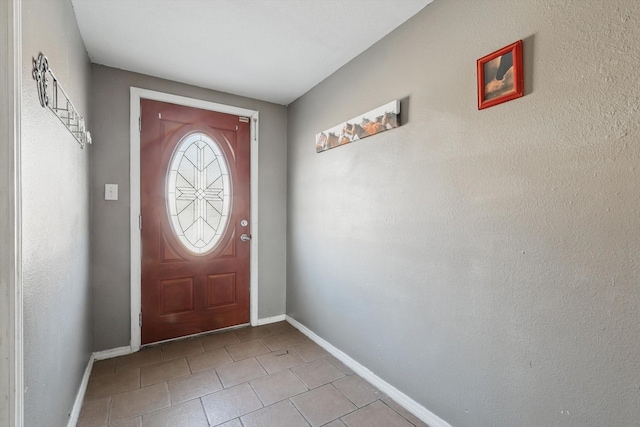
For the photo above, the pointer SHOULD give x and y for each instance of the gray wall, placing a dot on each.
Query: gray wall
(486, 263)
(110, 220)
(55, 220)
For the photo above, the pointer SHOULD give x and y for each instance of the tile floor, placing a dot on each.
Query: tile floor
(269, 376)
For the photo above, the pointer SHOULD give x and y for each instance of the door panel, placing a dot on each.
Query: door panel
(194, 194)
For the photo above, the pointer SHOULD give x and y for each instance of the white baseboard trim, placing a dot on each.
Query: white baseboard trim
(77, 405)
(111, 353)
(402, 399)
(274, 319)
(98, 355)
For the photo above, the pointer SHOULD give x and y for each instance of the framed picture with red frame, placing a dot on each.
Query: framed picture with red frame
(500, 76)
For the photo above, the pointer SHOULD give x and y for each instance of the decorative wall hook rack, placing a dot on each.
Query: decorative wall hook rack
(58, 101)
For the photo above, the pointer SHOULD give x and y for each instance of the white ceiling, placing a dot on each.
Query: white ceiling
(273, 50)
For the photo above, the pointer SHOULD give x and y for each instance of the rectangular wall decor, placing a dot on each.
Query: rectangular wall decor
(362, 126)
(500, 76)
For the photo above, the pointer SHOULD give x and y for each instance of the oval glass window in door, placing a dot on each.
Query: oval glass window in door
(198, 193)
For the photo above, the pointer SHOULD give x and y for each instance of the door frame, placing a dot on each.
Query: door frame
(11, 321)
(136, 95)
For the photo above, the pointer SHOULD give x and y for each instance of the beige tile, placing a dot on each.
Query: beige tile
(189, 414)
(194, 385)
(279, 360)
(338, 364)
(209, 359)
(247, 349)
(280, 327)
(310, 351)
(323, 405)
(181, 348)
(281, 399)
(375, 415)
(282, 414)
(138, 402)
(217, 340)
(101, 367)
(317, 373)
(358, 390)
(249, 333)
(133, 422)
(277, 387)
(406, 414)
(110, 384)
(163, 371)
(95, 413)
(239, 372)
(284, 340)
(146, 356)
(228, 404)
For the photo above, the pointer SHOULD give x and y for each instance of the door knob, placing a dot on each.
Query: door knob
(245, 238)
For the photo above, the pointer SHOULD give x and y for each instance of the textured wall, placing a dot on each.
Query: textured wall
(55, 201)
(486, 263)
(110, 220)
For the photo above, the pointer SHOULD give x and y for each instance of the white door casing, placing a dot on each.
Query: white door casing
(11, 320)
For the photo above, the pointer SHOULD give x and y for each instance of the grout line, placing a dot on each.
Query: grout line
(346, 397)
(402, 416)
(219, 380)
(109, 412)
(298, 377)
(341, 416)
(256, 393)
(300, 412)
(261, 365)
(206, 415)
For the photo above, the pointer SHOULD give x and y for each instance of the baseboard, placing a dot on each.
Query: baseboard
(111, 353)
(274, 319)
(402, 399)
(77, 405)
(98, 355)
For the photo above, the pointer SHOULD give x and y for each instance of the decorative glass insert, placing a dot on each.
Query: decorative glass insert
(198, 193)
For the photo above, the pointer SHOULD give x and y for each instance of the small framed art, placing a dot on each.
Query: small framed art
(500, 76)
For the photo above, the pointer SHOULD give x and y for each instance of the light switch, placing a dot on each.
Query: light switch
(111, 191)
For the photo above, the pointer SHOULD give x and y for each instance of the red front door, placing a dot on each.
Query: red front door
(195, 195)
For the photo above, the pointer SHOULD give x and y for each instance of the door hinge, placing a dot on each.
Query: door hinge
(255, 129)
(139, 124)
(140, 319)
(140, 222)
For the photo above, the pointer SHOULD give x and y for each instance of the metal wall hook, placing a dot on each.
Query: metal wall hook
(59, 101)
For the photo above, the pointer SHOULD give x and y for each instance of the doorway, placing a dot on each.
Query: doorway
(224, 280)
